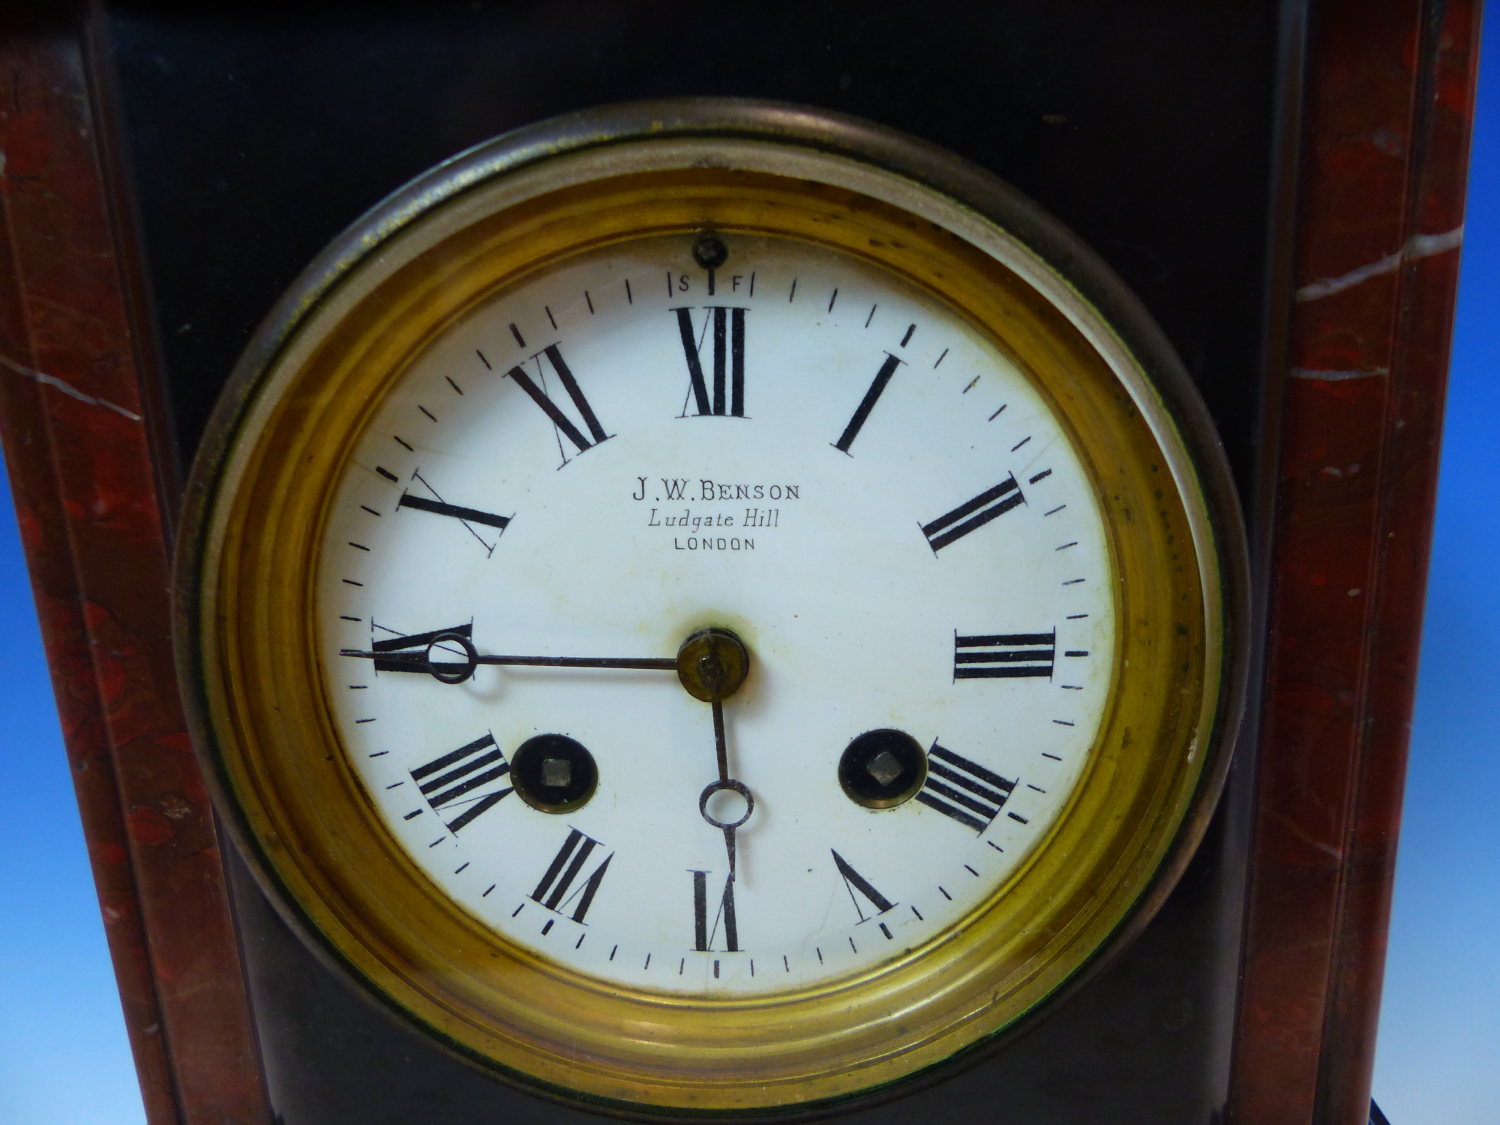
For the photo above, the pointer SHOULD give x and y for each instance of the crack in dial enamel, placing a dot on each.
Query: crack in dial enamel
(852, 479)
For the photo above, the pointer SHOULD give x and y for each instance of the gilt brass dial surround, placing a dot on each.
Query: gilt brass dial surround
(256, 654)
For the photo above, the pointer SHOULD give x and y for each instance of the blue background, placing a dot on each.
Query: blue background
(64, 1058)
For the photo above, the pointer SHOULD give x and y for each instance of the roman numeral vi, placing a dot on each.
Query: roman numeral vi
(703, 934)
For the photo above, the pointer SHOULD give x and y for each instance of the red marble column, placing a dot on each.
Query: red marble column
(1389, 98)
(85, 484)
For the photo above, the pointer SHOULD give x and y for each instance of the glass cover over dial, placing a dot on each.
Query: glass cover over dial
(716, 615)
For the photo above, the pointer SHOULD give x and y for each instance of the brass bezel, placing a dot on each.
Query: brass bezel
(247, 636)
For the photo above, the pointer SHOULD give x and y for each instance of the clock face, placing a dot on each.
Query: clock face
(814, 456)
(696, 623)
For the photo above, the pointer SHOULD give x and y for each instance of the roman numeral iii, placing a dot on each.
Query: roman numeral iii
(972, 514)
(553, 891)
(1005, 656)
(466, 779)
(703, 933)
(563, 423)
(963, 790)
(728, 326)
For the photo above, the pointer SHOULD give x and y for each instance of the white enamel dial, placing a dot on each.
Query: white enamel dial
(814, 455)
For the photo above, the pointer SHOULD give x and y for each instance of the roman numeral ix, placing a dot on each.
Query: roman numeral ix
(963, 790)
(459, 780)
(728, 326)
(552, 891)
(703, 934)
(408, 653)
(552, 410)
(1004, 656)
(975, 513)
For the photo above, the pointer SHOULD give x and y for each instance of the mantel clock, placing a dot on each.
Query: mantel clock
(708, 607)
(713, 607)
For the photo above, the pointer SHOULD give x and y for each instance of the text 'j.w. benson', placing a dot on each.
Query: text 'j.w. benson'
(704, 490)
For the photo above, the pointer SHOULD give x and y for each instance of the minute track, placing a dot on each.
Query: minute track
(583, 607)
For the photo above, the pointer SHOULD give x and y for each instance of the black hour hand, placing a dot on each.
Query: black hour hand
(433, 653)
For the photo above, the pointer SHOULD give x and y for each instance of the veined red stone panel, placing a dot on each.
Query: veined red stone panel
(1389, 98)
(81, 468)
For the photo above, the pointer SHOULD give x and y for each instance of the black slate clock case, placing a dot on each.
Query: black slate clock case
(255, 133)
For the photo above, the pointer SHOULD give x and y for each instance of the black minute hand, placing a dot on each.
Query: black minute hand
(420, 659)
(712, 665)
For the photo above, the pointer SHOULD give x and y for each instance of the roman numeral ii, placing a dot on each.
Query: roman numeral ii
(975, 513)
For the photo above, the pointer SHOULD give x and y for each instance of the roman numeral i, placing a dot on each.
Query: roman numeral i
(867, 404)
